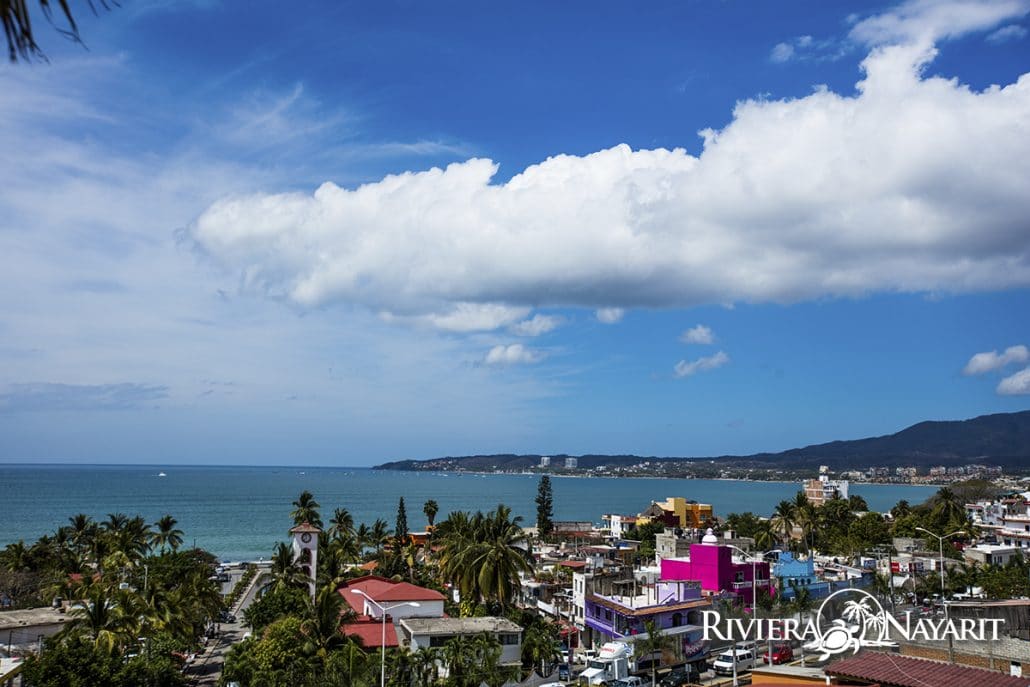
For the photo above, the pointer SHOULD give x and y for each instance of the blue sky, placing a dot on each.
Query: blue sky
(370, 231)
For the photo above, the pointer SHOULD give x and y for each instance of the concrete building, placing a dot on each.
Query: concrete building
(420, 633)
(823, 489)
(395, 598)
(571, 463)
(545, 461)
(712, 564)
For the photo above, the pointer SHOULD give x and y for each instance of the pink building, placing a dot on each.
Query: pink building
(714, 567)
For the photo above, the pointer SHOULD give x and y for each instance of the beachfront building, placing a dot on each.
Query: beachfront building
(571, 463)
(714, 566)
(823, 489)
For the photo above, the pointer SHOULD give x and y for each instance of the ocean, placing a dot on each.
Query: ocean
(240, 513)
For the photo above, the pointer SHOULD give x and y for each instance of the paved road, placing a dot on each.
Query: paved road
(207, 668)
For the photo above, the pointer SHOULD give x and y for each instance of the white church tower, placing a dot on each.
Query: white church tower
(305, 551)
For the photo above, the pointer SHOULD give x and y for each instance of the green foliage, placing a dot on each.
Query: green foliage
(431, 508)
(80, 664)
(275, 604)
(400, 530)
(544, 507)
(483, 554)
(305, 509)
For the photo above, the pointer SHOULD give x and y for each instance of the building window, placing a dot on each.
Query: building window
(739, 576)
(677, 619)
(508, 639)
(440, 640)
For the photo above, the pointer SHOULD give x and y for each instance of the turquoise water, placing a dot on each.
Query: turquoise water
(241, 512)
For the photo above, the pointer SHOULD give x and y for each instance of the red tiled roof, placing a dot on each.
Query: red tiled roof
(383, 590)
(894, 670)
(575, 565)
(305, 527)
(371, 633)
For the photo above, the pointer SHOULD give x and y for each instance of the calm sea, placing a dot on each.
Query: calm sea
(241, 512)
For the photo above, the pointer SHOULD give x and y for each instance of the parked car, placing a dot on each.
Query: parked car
(745, 660)
(631, 681)
(563, 672)
(781, 653)
(685, 675)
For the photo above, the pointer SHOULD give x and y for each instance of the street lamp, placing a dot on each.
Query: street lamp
(940, 541)
(754, 594)
(382, 645)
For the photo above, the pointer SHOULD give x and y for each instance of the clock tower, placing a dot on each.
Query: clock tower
(305, 551)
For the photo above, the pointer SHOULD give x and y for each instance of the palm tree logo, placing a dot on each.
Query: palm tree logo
(862, 623)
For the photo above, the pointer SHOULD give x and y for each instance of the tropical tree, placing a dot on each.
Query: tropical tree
(544, 507)
(284, 571)
(321, 625)
(379, 535)
(656, 642)
(540, 643)
(400, 530)
(431, 508)
(783, 521)
(341, 524)
(947, 508)
(484, 554)
(166, 534)
(305, 509)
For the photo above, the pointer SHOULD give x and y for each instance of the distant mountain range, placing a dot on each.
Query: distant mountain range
(1001, 439)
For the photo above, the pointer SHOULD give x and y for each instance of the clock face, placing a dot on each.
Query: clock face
(306, 537)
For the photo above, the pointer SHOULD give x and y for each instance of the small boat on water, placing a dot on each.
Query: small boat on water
(161, 474)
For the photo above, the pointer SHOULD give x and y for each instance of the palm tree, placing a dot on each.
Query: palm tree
(305, 509)
(484, 554)
(379, 535)
(109, 620)
(284, 571)
(947, 507)
(166, 534)
(83, 529)
(655, 642)
(430, 508)
(765, 536)
(341, 524)
(540, 646)
(321, 627)
(783, 521)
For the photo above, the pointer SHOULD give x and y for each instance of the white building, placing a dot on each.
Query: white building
(436, 632)
(571, 463)
(545, 461)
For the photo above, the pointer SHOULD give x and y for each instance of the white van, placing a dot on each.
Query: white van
(724, 663)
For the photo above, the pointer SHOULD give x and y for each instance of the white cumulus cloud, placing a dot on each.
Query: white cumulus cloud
(928, 21)
(827, 195)
(1016, 385)
(992, 360)
(698, 335)
(537, 325)
(782, 52)
(609, 315)
(711, 362)
(515, 354)
(1012, 32)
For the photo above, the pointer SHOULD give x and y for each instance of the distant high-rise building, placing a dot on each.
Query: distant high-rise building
(571, 463)
(545, 461)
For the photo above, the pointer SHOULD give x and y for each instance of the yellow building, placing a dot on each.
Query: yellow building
(677, 511)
